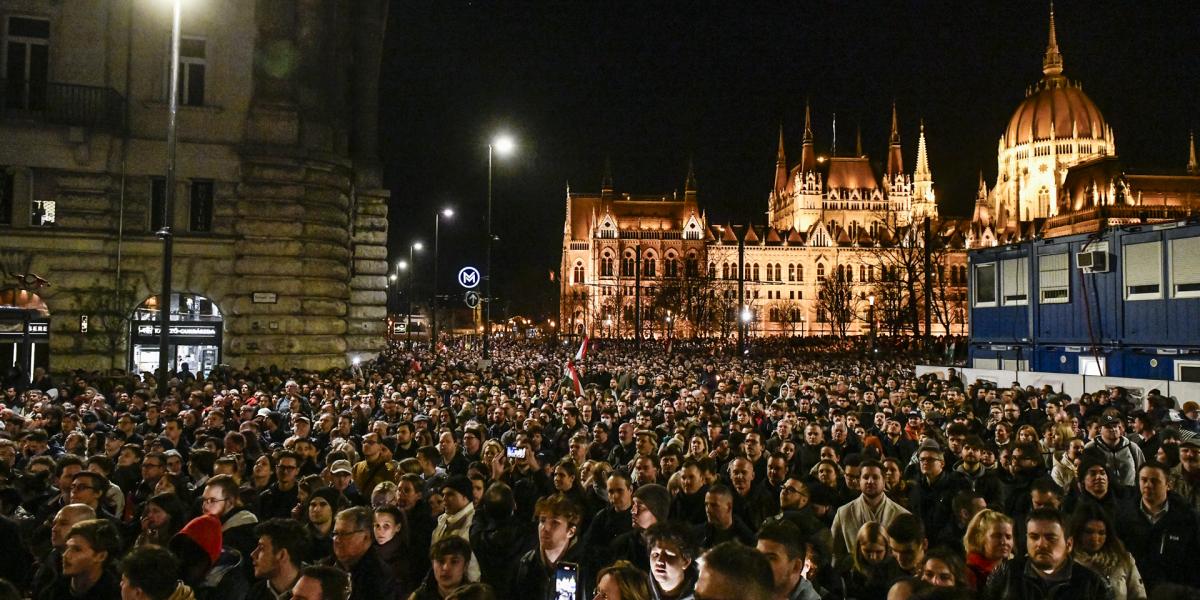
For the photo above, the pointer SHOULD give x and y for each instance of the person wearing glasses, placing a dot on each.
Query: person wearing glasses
(354, 552)
(221, 500)
(279, 499)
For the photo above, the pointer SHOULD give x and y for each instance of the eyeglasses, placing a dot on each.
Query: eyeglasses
(77, 487)
(287, 467)
(208, 501)
(344, 534)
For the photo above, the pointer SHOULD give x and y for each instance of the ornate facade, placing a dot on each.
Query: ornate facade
(843, 216)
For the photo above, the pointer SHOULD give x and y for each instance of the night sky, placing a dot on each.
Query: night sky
(654, 85)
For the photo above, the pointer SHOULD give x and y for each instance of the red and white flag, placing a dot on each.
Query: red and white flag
(583, 348)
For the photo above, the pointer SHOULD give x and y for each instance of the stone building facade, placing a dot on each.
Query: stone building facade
(280, 216)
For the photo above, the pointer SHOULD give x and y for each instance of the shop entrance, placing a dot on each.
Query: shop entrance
(194, 335)
(24, 335)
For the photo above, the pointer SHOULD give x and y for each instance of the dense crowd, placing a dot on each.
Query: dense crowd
(802, 469)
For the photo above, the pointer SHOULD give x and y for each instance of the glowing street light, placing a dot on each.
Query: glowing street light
(747, 316)
(437, 222)
(504, 145)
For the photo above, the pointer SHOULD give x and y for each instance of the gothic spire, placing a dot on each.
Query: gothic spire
(922, 173)
(858, 140)
(1052, 64)
(1193, 167)
(895, 164)
(606, 181)
(689, 185)
(833, 147)
(982, 185)
(808, 155)
(781, 170)
(808, 134)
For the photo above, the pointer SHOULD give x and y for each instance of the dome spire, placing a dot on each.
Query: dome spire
(1052, 65)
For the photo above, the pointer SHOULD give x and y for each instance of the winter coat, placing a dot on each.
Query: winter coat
(1122, 462)
(1017, 580)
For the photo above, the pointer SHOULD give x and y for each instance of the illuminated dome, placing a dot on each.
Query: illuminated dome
(1056, 107)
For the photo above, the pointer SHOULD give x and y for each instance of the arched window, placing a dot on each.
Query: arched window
(648, 266)
(755, 271)
(778, 272)
(627, 264)
(799, 272)
(820, 271)
(606, 265)
(862, 272)
(672, 267)
(1043, 202)
(578, 275)
(712, 269)
(724, 270)
(791, 272)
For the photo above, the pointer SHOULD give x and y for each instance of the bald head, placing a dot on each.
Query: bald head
(66, 518)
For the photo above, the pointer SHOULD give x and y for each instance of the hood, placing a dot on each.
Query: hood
(238, 518)
(229, 560)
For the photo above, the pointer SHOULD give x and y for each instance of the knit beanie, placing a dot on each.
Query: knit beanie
(656, 498)
(205, 532)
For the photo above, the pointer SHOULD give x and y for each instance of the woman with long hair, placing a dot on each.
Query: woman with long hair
(622, 581)
(392, 539)
(1098, 548)
(872, 569)
(164, 516)
(988, 541)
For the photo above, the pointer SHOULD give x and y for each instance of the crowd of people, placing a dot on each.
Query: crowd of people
(803, 469)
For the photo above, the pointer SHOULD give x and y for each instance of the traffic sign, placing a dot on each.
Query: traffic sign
(468, 277)
(472, 299)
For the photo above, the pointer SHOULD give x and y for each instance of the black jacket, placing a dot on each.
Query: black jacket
(535, 579)
(1017, 580)
(932, 502)
(499, 543)
(370, 579)
(1165, 551)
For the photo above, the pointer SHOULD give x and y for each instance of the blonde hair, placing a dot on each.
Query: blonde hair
(872, 532)
(980, 525)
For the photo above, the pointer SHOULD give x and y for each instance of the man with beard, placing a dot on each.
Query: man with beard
(1122, 457)
(1184, 478)
(1048, 571)
(626, 449)
(688, 504)
(870, 506)
(981, 480)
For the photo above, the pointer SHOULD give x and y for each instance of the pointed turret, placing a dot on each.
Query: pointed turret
(689, 185)
(808, 155)
(1193, 168)
(924, 204)
(606, 181)
(781, 170)
(1052, 63)
(895, 164)
(858, 140)
(983, 210)
(922, 173)
(833, 144)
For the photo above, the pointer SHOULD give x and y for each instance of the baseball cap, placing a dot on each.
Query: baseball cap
(340, 466)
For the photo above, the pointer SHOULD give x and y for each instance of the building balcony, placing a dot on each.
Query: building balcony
(62, 104)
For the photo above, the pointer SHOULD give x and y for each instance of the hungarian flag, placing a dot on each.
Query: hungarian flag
(583, 348)
(571, 372)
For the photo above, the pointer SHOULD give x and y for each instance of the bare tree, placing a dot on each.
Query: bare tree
(837, 303)
(110, 311)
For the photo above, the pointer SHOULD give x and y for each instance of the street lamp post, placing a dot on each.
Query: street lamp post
(412, 276)
(401, 266)
(164, 299)
(503, 145)
(871, 317)
(437, 221)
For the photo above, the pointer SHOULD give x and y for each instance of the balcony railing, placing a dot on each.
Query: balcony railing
(62, 104)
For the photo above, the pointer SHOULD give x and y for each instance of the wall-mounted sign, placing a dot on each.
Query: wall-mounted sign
(468, 277)
(264, 298)
(146, 332)
(83, 323)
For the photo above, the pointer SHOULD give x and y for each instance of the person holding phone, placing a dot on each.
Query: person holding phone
(557, 557)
